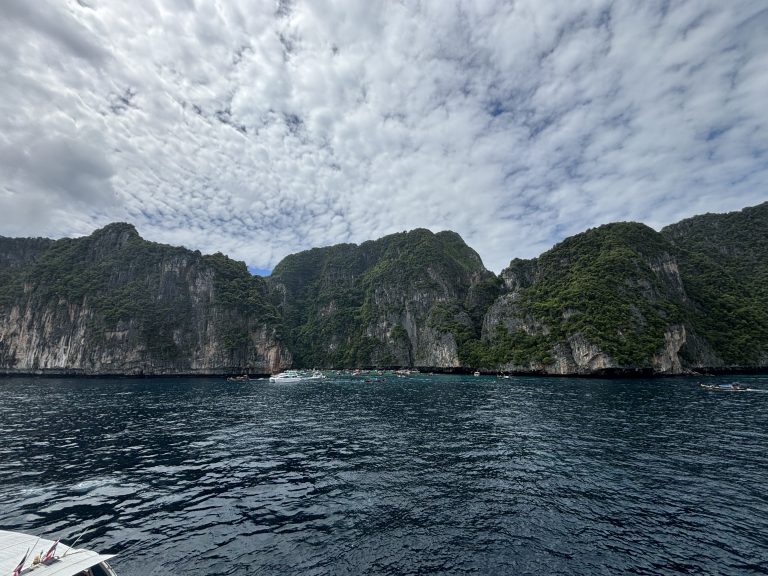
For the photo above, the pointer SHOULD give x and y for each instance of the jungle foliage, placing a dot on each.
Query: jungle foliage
(126, 280)
(619, 286)
(346, 305)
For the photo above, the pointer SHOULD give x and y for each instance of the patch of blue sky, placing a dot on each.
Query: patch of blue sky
(256, 271)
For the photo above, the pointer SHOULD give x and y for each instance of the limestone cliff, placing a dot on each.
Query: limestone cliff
(621, 298)
(112, 303)
(624, 298)
(390, 302)
(723, 262)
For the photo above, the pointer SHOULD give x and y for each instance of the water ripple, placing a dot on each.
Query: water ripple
(425, 475)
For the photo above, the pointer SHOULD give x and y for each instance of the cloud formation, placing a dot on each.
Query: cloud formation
(263, 128)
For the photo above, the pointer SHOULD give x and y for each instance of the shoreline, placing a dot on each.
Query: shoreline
(606, 373)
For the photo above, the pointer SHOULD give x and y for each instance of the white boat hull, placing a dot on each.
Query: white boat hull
(294, 376)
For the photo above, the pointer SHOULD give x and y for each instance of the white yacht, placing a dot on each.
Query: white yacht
(296, 376)
(24, 554)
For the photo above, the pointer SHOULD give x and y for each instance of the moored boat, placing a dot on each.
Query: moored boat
(729, 387)
(296, 376)
(23, 554)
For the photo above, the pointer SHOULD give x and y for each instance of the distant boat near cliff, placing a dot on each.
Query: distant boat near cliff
(730, 387)
(296, 376)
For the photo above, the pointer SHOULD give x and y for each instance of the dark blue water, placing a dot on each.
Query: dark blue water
(425, 475)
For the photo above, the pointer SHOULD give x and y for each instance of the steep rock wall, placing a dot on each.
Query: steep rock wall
(611, 299)
(620, 297)
(148, 310)
(397, 301)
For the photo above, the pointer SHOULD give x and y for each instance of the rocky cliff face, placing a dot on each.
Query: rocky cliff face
(112, 303)
(621, 298)
(599, 301)
(391, 302)
(16, 253)
(624, 298)
(723, 261)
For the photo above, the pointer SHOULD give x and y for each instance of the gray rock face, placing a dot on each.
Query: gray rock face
(667, 271)
(426, 345)
(667, 360)
(507, 312)
(586, 356)
(519, 275)
(615, 298)
(620, 297)
(438, 350)
(182, 327)
(396, 301)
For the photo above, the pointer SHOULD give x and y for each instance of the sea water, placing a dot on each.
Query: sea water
(379, 474)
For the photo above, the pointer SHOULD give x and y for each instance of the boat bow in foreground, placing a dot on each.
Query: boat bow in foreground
(23, 554)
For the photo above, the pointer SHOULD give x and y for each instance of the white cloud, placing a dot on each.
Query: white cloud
(261, 129)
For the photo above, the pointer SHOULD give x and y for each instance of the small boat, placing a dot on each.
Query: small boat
(406, 371)
(23, 554)
(730, 387)
(243, 378)
(477, 373)
(296, 376)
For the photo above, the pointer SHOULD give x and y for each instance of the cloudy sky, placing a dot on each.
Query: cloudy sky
(261, 128)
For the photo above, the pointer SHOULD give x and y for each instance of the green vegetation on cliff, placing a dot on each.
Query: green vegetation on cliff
(627, 289)
(617, 296)
(160, 291)
(724, 262)
(607, 284)
(367, 305)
